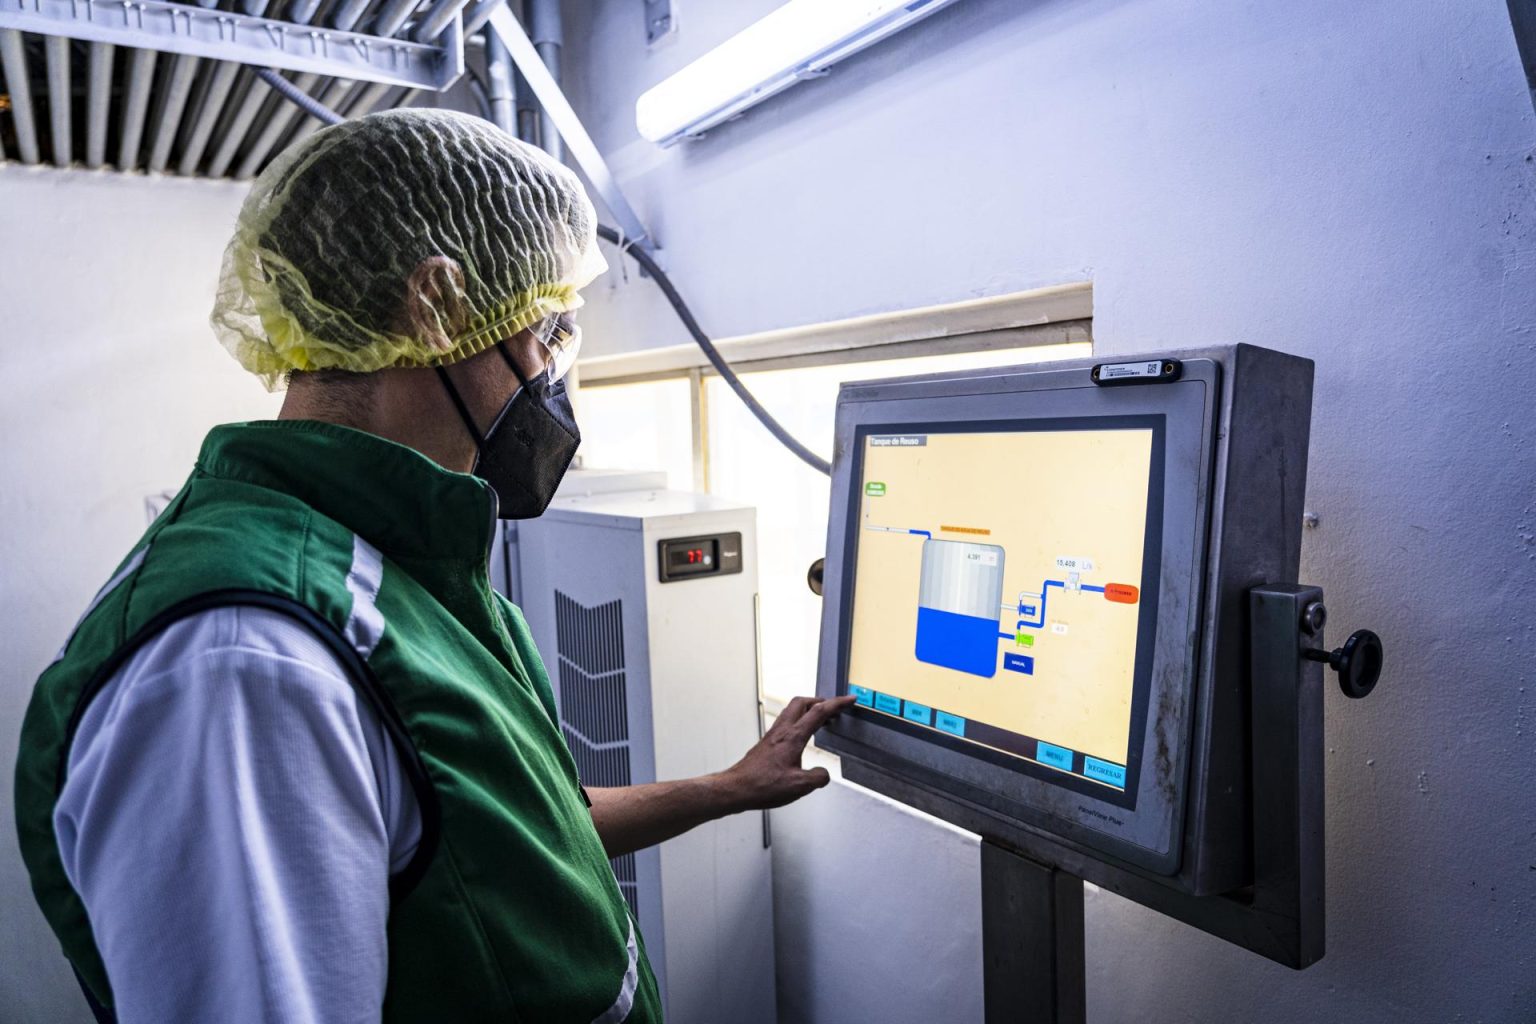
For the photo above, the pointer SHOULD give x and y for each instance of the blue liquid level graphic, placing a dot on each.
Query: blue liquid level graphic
(965, 643)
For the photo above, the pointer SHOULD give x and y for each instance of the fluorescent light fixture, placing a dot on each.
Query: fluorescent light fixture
(800, 40)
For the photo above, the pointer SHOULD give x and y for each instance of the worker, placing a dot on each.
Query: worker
(298, 762)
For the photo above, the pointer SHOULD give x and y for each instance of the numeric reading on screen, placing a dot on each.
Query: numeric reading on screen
(998, 588)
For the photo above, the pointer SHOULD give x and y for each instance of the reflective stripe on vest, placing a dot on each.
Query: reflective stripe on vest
(365, 625)
(621, 1006)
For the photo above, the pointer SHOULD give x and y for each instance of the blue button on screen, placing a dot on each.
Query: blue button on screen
(862, 695)
(919, 713)
(950, 723)
(1019, 663)
(1104, 771)
(1056, 757)
(885, 702)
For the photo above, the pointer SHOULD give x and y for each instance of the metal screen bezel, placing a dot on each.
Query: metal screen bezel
(1150, 834)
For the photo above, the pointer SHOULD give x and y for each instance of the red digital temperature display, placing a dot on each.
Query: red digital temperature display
(686, 558)
(693, 557)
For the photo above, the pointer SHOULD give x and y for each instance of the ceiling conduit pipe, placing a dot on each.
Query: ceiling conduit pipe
(336, 92)
(14, 56)
(238, 125)
(277, 125)
(282, 118)
(223, 81)
(372, 97)
(527, 119)
(392, 18)
(302, 12)
(98, 104)
(409, 95)
(334, 95)
(256, 93)
(349, 13)
(56, 49)
(498, 72)
(402, 97)
(173, 102)
(368, 99)
(141, 76)
(525, 114)
(178, 87)
(219, 88)
(438, 19)
(548, 35)
(477, 14)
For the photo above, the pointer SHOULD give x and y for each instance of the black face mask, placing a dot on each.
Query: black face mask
(529, 446)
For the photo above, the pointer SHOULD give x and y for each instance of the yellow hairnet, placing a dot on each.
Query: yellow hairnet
(404, 238)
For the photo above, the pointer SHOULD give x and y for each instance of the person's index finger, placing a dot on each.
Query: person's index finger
(795, 709)
(823, 712)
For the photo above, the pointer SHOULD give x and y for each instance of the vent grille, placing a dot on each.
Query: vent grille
(624, 871)
(593, 705)
(592, 639)
(594, 712)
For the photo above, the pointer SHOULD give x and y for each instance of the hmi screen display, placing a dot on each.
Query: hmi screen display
(1004, 591)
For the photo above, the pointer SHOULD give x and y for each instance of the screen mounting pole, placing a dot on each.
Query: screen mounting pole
(1032, 912)
(1031, 940)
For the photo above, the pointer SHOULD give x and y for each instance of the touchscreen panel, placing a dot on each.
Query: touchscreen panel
(1004, 591)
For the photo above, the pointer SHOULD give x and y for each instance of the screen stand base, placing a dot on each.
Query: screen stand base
(1031, 940)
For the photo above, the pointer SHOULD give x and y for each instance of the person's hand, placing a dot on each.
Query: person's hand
(770, 774)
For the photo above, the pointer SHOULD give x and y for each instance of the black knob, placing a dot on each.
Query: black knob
(1358, 662)
(813, 576)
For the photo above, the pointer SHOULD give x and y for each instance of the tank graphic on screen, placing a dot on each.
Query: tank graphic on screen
(957, 604)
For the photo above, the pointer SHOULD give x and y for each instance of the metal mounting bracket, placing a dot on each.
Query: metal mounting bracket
(660, 21)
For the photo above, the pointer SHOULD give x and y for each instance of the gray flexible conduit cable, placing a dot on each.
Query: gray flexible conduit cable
(323, 113)
(712, 353)
(298, 97)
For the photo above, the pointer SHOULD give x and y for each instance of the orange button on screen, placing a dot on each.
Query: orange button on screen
(1122, 593)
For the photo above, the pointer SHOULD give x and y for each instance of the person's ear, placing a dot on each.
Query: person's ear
(436, 308)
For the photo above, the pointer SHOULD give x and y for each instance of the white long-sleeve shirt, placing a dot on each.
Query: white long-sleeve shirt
(232, 814)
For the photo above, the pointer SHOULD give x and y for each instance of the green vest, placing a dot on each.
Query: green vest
(510, 910)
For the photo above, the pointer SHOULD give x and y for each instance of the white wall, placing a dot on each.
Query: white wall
(111, 377)
(1348, 181)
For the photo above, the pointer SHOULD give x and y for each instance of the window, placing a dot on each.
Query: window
(638, 426)
(700, 433)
